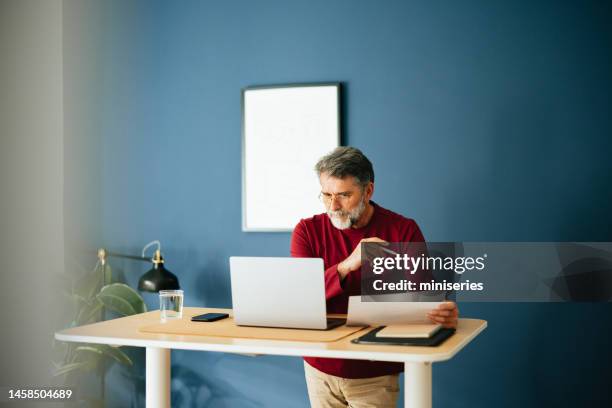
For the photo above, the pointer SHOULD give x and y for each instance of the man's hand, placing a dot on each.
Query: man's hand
(445, 314)
(353, 262)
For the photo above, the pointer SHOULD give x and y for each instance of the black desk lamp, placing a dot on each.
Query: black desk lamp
(155, 279)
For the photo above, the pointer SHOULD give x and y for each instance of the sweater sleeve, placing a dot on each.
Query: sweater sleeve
(302, 247)
(414, 235)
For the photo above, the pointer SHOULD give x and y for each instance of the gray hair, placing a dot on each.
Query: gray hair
(346, 161)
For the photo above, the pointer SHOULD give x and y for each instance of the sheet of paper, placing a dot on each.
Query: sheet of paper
(410, 330)
(385, 313)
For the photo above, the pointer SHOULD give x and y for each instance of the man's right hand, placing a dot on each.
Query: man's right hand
(353, 262)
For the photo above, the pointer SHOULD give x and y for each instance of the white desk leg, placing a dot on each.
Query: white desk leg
(158, 377)
(417, 385)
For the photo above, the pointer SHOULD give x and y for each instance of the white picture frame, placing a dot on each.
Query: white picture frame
(285, 130)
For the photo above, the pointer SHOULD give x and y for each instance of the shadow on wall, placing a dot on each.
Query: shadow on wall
(570, 355)
(586, 274)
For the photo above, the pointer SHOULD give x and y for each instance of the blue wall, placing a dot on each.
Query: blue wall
(485, 121)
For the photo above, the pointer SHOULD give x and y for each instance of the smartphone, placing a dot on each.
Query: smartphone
(209, 317)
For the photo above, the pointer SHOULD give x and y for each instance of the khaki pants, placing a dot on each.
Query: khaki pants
(328, 391)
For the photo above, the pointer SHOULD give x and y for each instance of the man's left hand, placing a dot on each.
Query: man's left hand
(446, 314)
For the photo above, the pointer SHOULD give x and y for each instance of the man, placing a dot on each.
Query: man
(347, 186)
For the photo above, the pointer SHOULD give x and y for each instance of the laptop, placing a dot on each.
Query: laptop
(280, 292)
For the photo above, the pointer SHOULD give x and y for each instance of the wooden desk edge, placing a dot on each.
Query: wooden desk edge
(256, 346)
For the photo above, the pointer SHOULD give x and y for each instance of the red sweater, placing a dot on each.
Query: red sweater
(316, 237)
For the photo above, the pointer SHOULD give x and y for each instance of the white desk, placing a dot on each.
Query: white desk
(124, 332)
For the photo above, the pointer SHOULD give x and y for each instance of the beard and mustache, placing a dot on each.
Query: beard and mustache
(342, 219)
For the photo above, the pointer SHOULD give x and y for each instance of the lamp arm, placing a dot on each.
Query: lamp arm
(103, 254)
(156, 279)
(134, 257)
(156, 242)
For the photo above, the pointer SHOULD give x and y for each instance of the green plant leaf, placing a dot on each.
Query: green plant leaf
(87, 314)
(88, 284)
(118, 355)
(80, 300)
(122, 299)
(68, 368)
(103, 350)
(117, 304)
(88, 311)
(108, 274)
(86, 354)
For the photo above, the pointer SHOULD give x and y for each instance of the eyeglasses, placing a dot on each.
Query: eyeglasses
(342, 198)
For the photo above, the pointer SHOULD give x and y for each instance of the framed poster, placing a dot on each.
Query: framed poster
(285, 130)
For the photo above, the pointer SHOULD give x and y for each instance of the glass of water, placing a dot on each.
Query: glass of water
(171, 304)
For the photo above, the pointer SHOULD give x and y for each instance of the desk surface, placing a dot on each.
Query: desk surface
(124, 332)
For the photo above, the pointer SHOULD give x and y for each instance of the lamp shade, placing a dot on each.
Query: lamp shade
(158, 278)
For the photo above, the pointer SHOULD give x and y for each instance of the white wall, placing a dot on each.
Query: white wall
(82, 134)
(31, 186)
